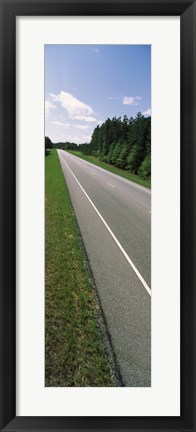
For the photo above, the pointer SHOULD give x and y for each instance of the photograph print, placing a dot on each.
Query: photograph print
(97, 215)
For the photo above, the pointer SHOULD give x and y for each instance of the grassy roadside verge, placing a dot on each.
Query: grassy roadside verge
(74, 352)
(123, 173)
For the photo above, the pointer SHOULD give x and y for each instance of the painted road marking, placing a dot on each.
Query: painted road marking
(144, 189)
(112, 186)
(111, 233)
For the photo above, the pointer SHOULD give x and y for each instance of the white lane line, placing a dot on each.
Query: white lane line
(112, 186)
(112, 234)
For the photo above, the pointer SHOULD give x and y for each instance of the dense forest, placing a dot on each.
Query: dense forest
(124, 143)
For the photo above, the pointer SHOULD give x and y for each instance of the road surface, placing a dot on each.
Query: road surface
(114, 216)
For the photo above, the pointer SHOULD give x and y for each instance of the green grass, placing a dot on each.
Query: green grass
(123, 173)
(74, 351)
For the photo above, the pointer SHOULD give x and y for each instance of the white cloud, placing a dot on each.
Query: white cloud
(113, 97)
(82, 127)
(147, 112)
(79, 140)
(75, 139)
(88, 119)
(87, 138)
(49, 106)
(56, 138)
(96, 50)
(131, 100)
(75, 108)
(60, 124)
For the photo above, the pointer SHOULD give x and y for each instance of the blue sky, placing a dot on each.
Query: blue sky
(86, 84)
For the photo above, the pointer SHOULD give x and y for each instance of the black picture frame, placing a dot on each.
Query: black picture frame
(9, 10)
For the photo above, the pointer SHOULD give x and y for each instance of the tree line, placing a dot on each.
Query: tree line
(122, 142)
(125, 143)
(60, 145)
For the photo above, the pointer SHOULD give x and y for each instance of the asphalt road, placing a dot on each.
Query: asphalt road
(114, 216)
